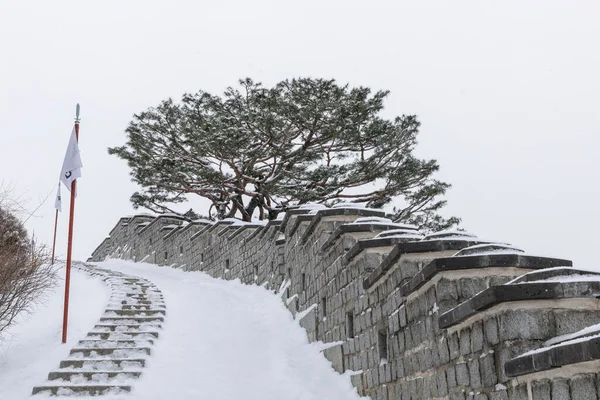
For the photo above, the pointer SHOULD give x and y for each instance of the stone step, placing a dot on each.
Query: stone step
(135, 312)
(119, 335)
(129, 343)
(149, 303)
(93, 390)
(140, 307)
(93, 364)
(105, 351)
(137, 297)
(127, 327)
(126, 319)
(128, 292)
(122, 282)
(115, 350)
(139, 302)
(89, 375)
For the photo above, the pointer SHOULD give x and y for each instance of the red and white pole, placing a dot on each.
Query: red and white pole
(70, 243)
(54, 241)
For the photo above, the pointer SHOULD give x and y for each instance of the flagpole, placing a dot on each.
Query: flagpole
(54, 242)
(70, 243)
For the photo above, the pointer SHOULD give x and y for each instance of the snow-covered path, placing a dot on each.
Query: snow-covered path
(221, 340)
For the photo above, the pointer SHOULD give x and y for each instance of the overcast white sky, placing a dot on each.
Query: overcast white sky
(508, 93)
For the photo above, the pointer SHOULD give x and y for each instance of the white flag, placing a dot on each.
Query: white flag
(58, 200)
(71, 168)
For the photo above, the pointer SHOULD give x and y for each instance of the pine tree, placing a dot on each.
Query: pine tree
(254, 151)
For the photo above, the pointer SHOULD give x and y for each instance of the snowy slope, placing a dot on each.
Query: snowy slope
(32, 348)
(221, 340)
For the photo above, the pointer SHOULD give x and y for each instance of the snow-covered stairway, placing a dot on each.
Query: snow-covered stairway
(115, 351)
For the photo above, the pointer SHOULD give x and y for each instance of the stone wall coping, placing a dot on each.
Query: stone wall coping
(364, 244)
(575, 350)
(554, 357)
(144, 217)
(118, 224)
(399, 249)
(242, 229)
(350, 228)
(204, 229)
(559, 270)
(158, 218)
(334, 212)
(139, 227)
(258, 232)
(228, 228)
(172, 230)
(195, 223)
(290, 213)
(219, 223)
(478, 261)
(300, 218)
(272, 223)
(100, 245)
(518, 292)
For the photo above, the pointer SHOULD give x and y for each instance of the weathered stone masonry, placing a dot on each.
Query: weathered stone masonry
(445, 316)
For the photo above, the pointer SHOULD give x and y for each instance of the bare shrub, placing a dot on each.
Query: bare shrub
(25, 273)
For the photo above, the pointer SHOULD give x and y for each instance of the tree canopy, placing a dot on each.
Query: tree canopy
(254, 151)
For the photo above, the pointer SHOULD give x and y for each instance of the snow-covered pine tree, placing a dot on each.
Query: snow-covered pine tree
(255, 150)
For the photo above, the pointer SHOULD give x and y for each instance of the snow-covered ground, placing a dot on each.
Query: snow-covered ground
(32, 347)
(221, 340)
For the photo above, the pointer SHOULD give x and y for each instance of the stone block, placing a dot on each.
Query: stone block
(541, 389)
(534, 324)
(465, 342)
(487, 368)
(446, 290)
(451, 376)
(462, 374)
(474, 374)
(429, 387)
(499, 395)
(583, 387)
(477, 337)
(458, 394)
(490, 327)
(560, 389)
(453, 346)
(518, 392)
(336, 357)
(443, 351)
(442, 383)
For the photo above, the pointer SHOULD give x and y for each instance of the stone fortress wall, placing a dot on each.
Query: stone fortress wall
(443, 316)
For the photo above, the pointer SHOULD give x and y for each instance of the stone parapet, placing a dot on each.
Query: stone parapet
(443, 316)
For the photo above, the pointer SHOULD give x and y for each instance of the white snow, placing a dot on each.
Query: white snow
(32, 348)
(450, 234)
(351, 205)
(488, 248)
(370, 220)
(585, 331)
(401, 233)
(204, 221)
(566, 278)
(572, 341)
(221, 340)
(312, 206)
